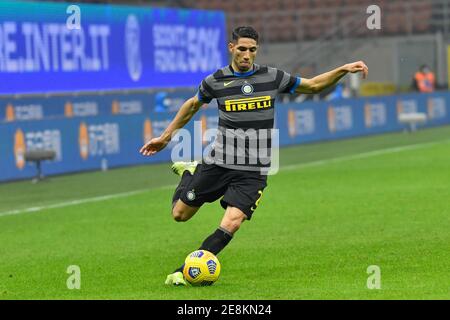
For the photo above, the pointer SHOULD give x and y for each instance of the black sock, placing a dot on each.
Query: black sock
(185, 179)
(214, 243)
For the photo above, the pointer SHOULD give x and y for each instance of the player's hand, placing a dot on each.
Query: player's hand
(153, 146)
(359, 66)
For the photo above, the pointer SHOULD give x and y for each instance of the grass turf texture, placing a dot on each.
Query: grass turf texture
(316, 231)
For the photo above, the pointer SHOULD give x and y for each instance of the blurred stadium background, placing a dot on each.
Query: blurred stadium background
(366, 161)
(307, 36)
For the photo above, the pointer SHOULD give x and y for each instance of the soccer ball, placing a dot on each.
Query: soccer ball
(201, 268)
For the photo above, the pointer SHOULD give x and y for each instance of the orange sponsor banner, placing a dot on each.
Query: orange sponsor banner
(368, 115)
(83, 141)
(115, 107)
(68, 109)
(148, 130)
(331, 114)
(19, 149)
(292, 125)
(10, 116)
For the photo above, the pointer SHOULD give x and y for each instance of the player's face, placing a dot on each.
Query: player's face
(243, 53)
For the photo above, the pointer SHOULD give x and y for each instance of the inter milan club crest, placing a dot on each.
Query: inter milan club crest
(191, 195)
(247, 88)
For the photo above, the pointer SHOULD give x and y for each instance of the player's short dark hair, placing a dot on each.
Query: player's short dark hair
(245, 32)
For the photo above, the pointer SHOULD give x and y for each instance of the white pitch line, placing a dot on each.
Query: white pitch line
(284, 168)
(81, 201)
(363, 155)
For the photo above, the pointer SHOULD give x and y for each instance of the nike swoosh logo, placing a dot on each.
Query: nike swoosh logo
(228, 83)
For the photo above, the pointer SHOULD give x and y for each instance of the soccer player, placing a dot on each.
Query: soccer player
(245, 92)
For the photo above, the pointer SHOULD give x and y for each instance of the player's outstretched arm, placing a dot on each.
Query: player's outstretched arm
(186, 112)
(327, 79)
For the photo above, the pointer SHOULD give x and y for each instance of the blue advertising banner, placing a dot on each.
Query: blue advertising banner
(114, 47)
(32, 108)
(344, 118)
(88, 143)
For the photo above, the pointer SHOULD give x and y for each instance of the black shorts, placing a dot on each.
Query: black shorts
(240, 189)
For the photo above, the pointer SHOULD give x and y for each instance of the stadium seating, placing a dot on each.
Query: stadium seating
(296, 20)
(281, 20)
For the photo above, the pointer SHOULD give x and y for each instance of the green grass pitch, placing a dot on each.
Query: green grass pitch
(335, 209)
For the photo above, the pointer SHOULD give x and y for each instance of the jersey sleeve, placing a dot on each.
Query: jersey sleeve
(205, 92)
(288, 83)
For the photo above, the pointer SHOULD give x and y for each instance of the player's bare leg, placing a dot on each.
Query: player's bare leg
(182, 212)
(232, 219)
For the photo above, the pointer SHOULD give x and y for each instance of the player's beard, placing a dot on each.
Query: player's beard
(245, 67)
